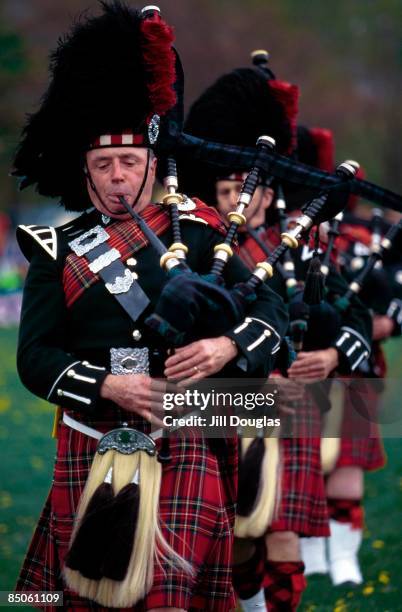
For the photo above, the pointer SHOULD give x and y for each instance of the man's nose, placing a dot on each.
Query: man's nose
(117, 171)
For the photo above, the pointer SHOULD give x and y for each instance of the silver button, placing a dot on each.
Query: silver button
(71, 373)
(131, 261)
(137, 335)
(134, 275)
(60, 392)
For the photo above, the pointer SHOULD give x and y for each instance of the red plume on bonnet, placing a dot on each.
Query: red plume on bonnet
(159, 62)
(325, 146)
(288, 96)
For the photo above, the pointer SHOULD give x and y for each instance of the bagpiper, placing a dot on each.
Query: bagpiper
(130, 521)
(359, 447)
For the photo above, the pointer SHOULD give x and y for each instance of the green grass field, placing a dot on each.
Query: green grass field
(26, 459)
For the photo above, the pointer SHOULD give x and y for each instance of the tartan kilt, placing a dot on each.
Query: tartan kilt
(301, 504)
(364, 448)
(197, 516)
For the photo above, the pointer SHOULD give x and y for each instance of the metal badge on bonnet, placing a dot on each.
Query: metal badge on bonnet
(126, 441)
(153, 129)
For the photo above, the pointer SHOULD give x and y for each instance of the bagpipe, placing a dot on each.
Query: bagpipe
(379, 249)
(196, 297)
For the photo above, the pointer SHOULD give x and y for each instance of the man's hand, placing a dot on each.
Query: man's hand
(383, 327)
(136, 393)
(289, 391)
(314, 366)
(200, 359)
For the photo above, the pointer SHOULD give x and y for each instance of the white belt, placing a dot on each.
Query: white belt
(94, 433)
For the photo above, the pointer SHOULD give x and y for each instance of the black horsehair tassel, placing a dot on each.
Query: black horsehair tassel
(121, 532)
(103, 544)
(251, 463)
(88, 549)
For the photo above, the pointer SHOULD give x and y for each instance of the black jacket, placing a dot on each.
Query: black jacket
(64, 352)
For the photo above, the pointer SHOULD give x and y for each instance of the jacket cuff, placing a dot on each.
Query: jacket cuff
(394, 312)
(78, 386)
(352, 349)
(256, 341)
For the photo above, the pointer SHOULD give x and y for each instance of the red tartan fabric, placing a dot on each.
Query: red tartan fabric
(364, 448)
(346, 511)
(367, 453)
(284, 584)
(303, 507)
(196, 512)
(251, 253)
(127, 238)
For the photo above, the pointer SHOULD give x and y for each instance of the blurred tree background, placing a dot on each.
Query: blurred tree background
(346, 57)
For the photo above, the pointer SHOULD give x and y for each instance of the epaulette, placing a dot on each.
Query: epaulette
(48, 237)
(44, 235)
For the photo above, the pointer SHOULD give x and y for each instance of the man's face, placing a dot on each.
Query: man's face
(227, 193)
(119, 171)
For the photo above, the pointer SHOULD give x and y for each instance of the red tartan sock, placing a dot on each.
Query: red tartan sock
(247, 577)
(346, 511)
(284, 584)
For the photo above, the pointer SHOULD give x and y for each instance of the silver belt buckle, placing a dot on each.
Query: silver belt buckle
(124, 361)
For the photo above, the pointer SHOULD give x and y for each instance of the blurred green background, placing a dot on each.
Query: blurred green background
(26, 457)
